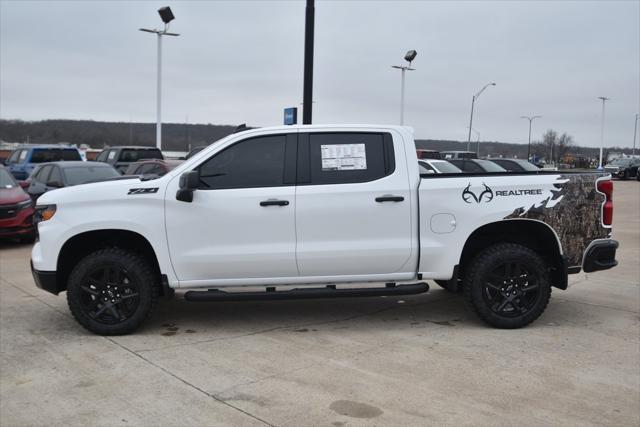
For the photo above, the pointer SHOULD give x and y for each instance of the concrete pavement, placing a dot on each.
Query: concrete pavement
(415, 360)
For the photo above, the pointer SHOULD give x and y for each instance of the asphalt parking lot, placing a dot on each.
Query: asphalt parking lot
(416, 360)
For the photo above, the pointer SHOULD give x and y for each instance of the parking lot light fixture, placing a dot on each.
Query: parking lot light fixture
(473, 102)
(167, 16)
(409, 57)
(531, 119)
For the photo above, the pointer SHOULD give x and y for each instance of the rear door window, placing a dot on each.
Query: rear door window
(350, 157)
(55, 175)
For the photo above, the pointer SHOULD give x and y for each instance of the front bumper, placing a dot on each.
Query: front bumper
(600, 256)
(47, 280)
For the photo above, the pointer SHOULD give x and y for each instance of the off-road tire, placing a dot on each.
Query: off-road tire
(137, 271)
(482, 296)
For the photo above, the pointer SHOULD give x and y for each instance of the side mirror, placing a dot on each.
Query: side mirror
(189, 182)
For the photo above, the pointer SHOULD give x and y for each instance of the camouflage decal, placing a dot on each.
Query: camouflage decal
(573, 211)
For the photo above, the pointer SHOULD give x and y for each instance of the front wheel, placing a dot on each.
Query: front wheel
(508, 285)
(112, 291)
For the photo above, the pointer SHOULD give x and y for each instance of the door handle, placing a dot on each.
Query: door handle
(274, 203)
(389, 198)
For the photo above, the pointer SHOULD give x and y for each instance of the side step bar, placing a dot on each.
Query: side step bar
(306, 293)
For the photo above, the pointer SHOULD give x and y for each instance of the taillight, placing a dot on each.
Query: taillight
(606, 187)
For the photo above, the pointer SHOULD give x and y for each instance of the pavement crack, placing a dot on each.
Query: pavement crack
(193, 386)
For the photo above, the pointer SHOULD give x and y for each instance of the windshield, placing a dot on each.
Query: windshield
(490, 166)
(129, 155)
(620, 162)
(6, 180)
(446, 167)
(45, 155)
(84, 174)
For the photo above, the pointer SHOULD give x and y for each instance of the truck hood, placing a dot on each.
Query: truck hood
(9, 196)
(96, 191)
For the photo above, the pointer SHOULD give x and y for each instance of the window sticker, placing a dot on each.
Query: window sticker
(343, 157)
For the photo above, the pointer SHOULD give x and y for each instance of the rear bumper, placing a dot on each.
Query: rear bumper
(46, 280)
(600, 255)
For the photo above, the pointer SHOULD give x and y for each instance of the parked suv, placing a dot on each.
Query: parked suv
(121, 157)
(16, 210)
(623, 168)
(25, 158)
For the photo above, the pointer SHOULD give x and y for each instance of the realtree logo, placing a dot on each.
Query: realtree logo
(485, 195)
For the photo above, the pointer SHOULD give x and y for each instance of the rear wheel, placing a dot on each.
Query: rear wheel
(112, 291)
(508, 285)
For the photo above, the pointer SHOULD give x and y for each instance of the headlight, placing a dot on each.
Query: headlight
(44, 213)
(24, 205)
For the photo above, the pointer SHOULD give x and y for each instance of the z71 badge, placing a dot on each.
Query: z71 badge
(142, 190)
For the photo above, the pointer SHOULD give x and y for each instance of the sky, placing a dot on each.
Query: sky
(242, 62)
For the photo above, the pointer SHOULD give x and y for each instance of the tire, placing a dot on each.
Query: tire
(625, 176)
(112, 291)
(444, 284)
(508, 285)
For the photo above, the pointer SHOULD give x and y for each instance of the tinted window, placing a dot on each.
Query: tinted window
(14, 156)
(84, 174)
(340, 158)
(256, 162)
(509, 165)
(102, 156)
(55, 175)
(43, 174)
(6, 180)
(129, 155)
(446, 167)
(44, 155)
(490, 166)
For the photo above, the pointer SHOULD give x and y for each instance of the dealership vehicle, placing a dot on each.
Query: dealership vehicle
(623, 168)
(447, 155)
(477, 165)
(16, 210)
(438, 166)
(121, 157)
(155, 167)
(515, 165)
(319, 207)
(26, 157)
(428, 154)
(50, 176)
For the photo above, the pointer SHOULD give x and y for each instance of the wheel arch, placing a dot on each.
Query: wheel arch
(533, 234)
(82, 244)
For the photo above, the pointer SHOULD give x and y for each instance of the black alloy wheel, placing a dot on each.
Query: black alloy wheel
(507, 285)
(112, 291)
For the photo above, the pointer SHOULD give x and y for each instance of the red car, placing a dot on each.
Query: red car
(16, 210)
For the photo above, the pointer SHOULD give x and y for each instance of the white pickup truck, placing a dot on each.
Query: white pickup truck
(314, 208)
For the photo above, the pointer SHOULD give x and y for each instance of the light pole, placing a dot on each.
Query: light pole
(167, 16)
(409, 57)
(604, 99)
(473, 102)
(531, 119)
(635, 131)
(477, 142)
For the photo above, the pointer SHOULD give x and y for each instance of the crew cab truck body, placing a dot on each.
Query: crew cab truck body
(318, 207)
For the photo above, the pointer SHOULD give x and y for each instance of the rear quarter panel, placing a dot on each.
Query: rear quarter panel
(453, 207)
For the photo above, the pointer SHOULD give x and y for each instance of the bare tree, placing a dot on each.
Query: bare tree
(563, 145)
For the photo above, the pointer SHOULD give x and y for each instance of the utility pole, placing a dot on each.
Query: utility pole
(531, 119)
(604, 99)
(307, 90)
(635, 131)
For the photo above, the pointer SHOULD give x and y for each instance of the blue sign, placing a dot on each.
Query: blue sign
(290, 116)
